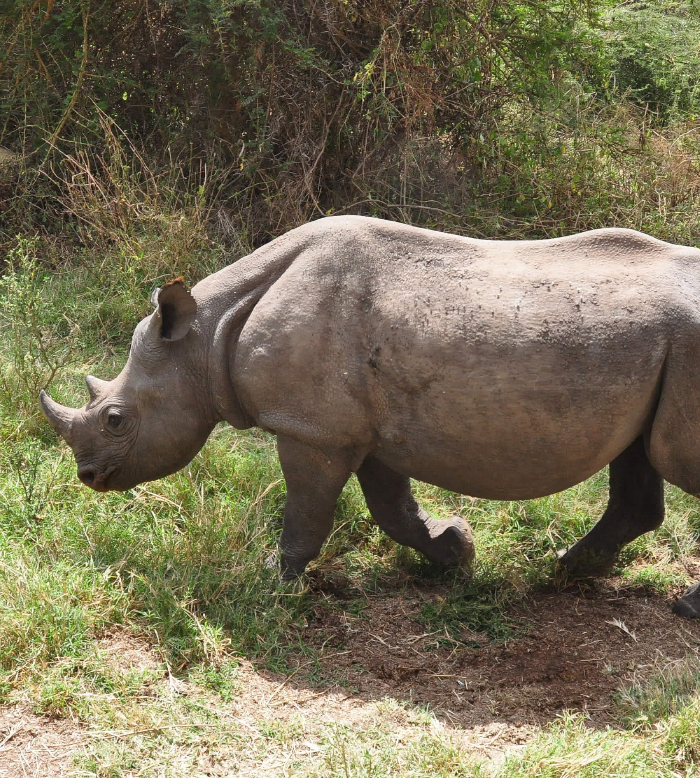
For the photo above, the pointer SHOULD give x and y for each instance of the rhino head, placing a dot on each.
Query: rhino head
(153, 417)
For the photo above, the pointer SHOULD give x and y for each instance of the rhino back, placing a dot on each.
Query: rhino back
(498, 369)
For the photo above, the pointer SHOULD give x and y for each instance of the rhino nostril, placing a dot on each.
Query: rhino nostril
(86, 475)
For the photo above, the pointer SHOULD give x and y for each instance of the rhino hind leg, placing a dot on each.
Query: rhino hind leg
(314, 483)
(635, 506)
(394, 508)
(688, 605)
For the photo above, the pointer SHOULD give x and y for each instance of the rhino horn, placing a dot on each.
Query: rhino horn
(96, 386)
(59, 416)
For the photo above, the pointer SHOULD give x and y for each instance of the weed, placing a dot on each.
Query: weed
(667, 692)
(38, 339)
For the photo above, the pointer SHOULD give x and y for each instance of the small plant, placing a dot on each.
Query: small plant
(37, 341)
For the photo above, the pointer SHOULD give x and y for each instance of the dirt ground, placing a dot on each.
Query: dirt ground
(577, 649)
(35, 745)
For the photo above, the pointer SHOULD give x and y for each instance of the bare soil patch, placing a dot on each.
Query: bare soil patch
(44, 747)
(579, 647)
(126, 651)
(36, 746)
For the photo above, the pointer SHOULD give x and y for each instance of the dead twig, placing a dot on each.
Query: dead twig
(621, 625)
(10, 735)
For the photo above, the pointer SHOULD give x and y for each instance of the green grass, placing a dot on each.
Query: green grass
(181, 564)
(422, 748)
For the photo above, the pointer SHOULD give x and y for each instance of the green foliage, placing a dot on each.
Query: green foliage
(39, 341)
(403, 62)
(644, 704)
(238, 120)
(570, 748)
(49, 609)
(655, 55)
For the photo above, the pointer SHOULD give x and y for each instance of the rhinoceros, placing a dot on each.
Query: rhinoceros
(506, 370)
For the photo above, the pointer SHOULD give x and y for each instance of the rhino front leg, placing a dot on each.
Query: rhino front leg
(315, 480)
(636, 506)
(394, 508)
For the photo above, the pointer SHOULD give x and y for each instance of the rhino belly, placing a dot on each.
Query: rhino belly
(519, 428)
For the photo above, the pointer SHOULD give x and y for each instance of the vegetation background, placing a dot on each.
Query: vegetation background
(150, 138)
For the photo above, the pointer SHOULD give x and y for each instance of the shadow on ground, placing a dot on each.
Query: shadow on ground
(575, 648)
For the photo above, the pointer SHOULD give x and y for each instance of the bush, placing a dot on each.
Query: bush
(295, 107)
(655, 53)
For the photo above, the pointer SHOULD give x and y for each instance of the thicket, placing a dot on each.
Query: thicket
(248, 117)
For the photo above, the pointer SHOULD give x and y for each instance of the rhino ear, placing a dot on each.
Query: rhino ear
(176, 311)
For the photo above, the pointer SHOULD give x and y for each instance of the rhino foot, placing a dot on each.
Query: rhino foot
(585, 562)
(451, 542)
(688, 606)
(394, 508)
(291, 569)
(288, 570)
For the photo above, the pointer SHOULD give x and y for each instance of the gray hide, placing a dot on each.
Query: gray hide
(499, 369)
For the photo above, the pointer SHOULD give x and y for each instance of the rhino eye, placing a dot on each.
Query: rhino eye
(115, 421)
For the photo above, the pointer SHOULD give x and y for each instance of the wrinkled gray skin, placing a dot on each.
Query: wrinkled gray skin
(499, 369)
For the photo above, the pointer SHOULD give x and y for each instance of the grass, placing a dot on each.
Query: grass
(179, 565)
(393, 741)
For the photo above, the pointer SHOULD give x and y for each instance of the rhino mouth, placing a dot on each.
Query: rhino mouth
(97, 481)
